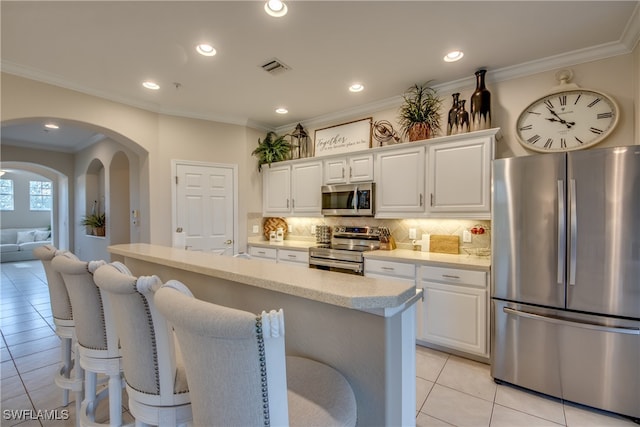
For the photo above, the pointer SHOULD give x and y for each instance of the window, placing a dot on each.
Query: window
(6, 194)
(40, 195)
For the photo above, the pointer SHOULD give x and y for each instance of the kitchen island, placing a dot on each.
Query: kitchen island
(363, 327)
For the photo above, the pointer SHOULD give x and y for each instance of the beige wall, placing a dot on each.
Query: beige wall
(157, 138)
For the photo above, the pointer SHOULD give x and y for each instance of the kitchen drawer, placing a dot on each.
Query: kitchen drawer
(260, 252)
(390, 268)
(454, 276)
(286, 255)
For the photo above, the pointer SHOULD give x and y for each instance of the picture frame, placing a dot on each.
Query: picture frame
(343, 138)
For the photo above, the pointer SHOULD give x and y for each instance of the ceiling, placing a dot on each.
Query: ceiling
(109, 48)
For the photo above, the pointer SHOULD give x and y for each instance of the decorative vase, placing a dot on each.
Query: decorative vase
(452, 120)
(418, 131)
(462, 119)
(480, 104)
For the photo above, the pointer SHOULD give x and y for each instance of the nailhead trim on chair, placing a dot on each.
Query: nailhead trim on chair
(263, 372)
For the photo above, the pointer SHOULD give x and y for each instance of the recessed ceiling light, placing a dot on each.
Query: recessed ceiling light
(205, 49)
(282, 110)
(51, 126)
(356, 87)
(151, 85)
(453, 56)
(275, 8)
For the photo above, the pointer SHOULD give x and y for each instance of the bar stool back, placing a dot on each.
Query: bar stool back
(154, 374)
(238, 373)
(97, 338)
(65, 327)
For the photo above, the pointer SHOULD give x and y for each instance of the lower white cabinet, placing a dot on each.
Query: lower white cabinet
(298, 257)
(455, 309)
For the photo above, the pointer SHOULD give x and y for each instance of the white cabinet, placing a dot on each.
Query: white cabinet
(400, 182)
(267, 254)
(455, 309)
(297, 257)
(292, 189)
(405, 272)
(293, 257)
(342, 170)
(459, 177)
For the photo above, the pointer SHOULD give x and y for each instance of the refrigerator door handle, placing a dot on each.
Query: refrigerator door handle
(559, 320)
(573, 249)
(562, 232)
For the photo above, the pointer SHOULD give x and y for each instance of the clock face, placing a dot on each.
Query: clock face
(567, 120)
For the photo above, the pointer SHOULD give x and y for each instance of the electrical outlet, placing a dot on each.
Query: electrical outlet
(256, 229)
(412, 233)
(313, 229)
(290, 228)
(466, 236)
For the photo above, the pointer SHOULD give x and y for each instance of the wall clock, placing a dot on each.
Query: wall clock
(569, 118)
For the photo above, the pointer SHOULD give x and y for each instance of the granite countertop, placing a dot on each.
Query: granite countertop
(432, 258)
(345, 290)
(400, 255)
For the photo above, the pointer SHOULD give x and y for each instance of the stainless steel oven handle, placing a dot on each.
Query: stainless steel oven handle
(355, 198)
(561, 321)
(338, 264)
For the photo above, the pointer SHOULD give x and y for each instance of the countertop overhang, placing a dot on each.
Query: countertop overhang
(344, 290)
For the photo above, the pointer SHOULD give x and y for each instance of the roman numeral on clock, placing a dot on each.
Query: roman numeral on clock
(563, 143)
(577, 99)
(605, 115)
(527, 127)
(594, 102)
(549, 143)
(596, 130)
(533, 139)
(548, 103)
(579, 140)
(563, 100)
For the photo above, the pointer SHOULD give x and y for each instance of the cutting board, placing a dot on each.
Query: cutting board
(444, 244)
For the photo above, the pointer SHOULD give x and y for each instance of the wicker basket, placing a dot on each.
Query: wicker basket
(272, 224)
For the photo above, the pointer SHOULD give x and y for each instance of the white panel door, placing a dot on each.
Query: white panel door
(205, 207)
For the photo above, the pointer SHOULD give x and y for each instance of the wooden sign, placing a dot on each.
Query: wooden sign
(344, 138)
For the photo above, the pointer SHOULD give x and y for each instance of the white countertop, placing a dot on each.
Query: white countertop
(286, 243)
(345, 290)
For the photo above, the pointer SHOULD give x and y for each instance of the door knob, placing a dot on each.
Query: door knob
(228, 242)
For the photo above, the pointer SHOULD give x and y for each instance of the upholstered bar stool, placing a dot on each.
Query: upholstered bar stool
(239, 375)
(65, 328)
(97, 338)
(154, 374)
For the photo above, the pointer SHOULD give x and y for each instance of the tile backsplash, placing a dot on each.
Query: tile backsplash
(301, 228)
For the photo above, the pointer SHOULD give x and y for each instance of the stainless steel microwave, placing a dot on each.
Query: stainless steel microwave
(349, 199)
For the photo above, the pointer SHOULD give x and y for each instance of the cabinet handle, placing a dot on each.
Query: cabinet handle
(292, 256)
(431, 199)
(262, 252)
(287, 203)
(350, 172)
(420, 199)
(450, 276)
(343, 172)
(293, 203)
(388, 268)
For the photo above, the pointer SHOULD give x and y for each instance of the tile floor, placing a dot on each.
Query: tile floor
(451, 391)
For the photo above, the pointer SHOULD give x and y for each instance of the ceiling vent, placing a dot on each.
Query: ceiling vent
(275, 66)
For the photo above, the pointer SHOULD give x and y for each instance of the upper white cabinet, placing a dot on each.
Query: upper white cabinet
(459, 177)
(400, 182)
(343, 170)
(292, 189)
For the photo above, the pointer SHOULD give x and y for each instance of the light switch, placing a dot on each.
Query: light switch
(412, 233)
(466, 236)
(256, 229)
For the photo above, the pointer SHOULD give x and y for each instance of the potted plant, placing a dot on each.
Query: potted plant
(96, 222)
(273, 148)
(419, 115)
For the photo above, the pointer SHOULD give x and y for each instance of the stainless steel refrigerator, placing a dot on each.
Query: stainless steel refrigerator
(566, 276)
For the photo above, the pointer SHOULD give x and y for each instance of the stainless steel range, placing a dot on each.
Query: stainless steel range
(345, 252)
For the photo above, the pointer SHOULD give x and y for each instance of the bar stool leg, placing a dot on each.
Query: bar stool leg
(79, 377)
(89, 403)
(115, 399)
(65, 348)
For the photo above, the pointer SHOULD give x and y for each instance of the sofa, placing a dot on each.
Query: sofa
(16, 244)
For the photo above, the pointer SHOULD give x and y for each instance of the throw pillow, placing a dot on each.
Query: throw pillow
(26, 236)
(42, 235)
